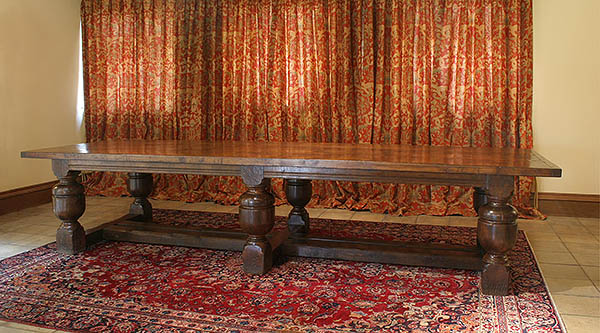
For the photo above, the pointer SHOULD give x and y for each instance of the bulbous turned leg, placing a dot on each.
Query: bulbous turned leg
(497, 234)
(68, 200)
(140, 186)
(257, 217)
(298, 193)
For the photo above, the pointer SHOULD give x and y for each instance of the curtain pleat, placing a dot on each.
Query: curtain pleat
(427, 72)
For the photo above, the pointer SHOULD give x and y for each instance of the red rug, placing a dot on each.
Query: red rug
(125, 287)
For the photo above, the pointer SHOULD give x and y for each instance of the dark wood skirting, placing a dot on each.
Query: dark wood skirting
(570, 208)
(25, 197)
(569, 197)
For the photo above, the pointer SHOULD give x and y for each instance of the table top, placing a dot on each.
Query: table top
(499, 161)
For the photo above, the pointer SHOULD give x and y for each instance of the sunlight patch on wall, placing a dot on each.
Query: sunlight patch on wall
(80, 99)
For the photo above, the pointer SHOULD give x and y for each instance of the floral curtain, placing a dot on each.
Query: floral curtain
(428, 72)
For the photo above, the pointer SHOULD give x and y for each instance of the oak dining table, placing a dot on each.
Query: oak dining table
(491, 171)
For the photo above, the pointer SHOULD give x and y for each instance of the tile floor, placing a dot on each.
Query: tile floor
(567, 248)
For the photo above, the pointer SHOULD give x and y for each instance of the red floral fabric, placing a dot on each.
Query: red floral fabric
(432, 72)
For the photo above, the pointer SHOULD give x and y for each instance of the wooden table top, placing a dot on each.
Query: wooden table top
(499, 161)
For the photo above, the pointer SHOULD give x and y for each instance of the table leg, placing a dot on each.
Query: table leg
(298, 193)
(140, 186)
(479, 198)
(257, 217)
(68, 201)
(497, 234)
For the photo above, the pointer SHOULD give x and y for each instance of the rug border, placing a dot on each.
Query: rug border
(531, 250)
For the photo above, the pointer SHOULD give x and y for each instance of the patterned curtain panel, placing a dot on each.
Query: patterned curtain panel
(431, 72)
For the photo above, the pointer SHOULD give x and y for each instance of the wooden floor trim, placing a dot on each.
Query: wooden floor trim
(25, 197)
(569, 197)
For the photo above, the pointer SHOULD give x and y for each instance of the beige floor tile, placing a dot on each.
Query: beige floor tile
(400, 219)
(17, 215)
(23, 239)
(534, 226)
(88, 225)
(35, 229)
(584, 238)
(96, 210)
(577, 305)
(106, 212)
(27, 220)
(51, 219)
(589, 220)
(563, 220)
(222, 209)
(107, 201)
(540, 245)
(337, 214)
(433, 220)
(14, 238)
(315, 212)
(549, 257)
(37, 241)
(595, 232)
(6, 329)
(9, 226)
(208, 206)
(463, 221)
(167, 204)
(104, 217)
(39, 208)
(587, 259)
(100, 219)
(580, 324)
(196, 206)
(585, 248)
(9, 250)
(367, 216)
(120, 201)
(34, 217)
(563, 271)
(16, 327)
(283, 210)
(572, 287)
(593, 272)
(542, 236)
(39, 218)
(592, 226)
(562, 229)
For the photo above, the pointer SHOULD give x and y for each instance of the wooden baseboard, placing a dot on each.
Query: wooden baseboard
(569, 197)
(26, 197)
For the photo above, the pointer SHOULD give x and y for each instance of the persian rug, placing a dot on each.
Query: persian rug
(127, 287)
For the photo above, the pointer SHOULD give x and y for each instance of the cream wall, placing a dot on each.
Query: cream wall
(566, 92)
(39, 51)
